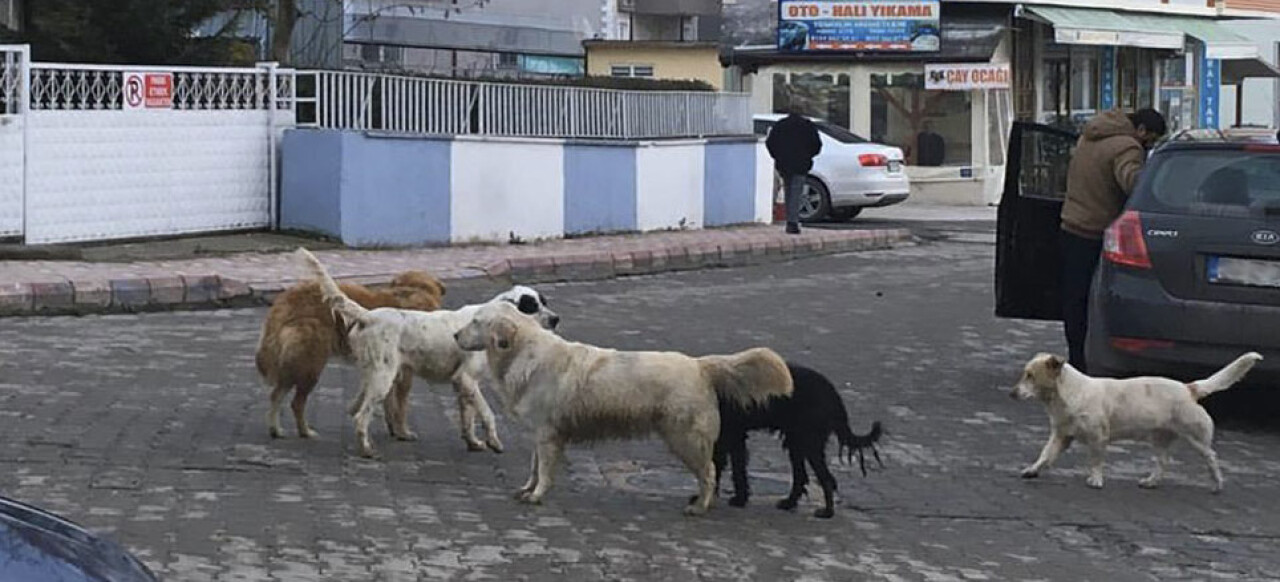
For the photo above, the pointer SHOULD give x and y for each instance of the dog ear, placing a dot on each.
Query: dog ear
(502, 334)
(528, 305)
(1055, 364)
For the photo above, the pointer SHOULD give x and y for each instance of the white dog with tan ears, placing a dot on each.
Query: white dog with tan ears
(1099, 410)
(574, 393)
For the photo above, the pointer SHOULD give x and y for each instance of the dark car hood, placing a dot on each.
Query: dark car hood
(37, 546)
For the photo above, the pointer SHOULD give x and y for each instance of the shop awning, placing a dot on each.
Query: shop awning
(1106, 28)
(1091, 26)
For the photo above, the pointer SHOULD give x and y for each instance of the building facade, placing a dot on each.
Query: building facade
(466, 38)
(659, 39)
(1058, 63)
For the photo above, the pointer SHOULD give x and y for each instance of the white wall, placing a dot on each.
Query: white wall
(501, 186)
(669, 185)
(1261, 96)
(764, 184)
(98, 175)
(11, 161)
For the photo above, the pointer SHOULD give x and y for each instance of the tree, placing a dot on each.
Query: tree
(137, 31)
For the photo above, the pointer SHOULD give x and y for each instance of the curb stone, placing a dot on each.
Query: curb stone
(182, 291)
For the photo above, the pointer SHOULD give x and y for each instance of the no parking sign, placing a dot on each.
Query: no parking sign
(148, 90)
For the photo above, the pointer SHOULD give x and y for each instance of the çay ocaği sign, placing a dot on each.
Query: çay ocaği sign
(870, 25)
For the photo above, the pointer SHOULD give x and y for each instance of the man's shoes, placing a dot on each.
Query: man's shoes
(793, 228)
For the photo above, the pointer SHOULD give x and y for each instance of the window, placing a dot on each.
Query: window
(11, 14)
(820, 95)
(1084, 80)
(631, 70)
(934, 128)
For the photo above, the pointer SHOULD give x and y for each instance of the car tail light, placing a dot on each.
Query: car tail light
(1138, 345)
(873, 160)
(1124, 244)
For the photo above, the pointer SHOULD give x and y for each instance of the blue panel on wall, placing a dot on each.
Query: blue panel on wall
(310, 181)
(599, 188)
(729, 183)
(396, 191)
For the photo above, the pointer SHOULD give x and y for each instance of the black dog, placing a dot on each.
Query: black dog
(806, 420)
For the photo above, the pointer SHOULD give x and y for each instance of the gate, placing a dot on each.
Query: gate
(14, 100)
(101, 152)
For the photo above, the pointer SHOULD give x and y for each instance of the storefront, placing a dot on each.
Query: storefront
(1070, 63)
(953, 133)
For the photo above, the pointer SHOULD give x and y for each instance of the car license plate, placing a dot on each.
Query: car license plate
(895, 166)
(1249, 272)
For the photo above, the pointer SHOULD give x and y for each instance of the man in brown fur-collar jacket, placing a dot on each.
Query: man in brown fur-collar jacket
(1103, 171)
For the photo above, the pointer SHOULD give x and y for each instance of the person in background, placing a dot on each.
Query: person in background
(931, 148)
(1100, 177)
(793, 143)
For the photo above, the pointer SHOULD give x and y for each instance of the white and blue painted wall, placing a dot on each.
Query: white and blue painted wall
(379, 190)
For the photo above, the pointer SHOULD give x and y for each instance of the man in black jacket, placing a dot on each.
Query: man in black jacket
(793, 142)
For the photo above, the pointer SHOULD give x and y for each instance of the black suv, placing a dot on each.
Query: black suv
(1190, 273)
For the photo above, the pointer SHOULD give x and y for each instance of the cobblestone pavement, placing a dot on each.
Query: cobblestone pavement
(150, 428)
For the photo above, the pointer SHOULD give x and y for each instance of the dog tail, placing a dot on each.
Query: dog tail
(1226, 377)
(748, 378)
(851, 443)
(338, 301)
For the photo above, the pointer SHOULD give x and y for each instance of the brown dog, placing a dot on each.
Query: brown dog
(301, 332)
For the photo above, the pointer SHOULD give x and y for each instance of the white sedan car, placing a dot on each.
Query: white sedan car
(850, 174)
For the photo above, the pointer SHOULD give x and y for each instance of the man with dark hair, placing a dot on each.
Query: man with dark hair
(1100, 178)
(793, 142)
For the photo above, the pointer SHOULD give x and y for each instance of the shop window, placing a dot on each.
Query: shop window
(820, 95)
(1084, 80)
(934, 128)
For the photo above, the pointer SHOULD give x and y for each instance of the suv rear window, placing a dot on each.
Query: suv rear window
(1213, 181)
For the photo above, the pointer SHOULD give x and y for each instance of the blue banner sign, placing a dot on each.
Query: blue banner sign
(869, 25)
(1210, 89)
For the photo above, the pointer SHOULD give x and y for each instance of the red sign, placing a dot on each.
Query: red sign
(148, 90)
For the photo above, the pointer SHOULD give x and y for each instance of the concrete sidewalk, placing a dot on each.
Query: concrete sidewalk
(29, 287)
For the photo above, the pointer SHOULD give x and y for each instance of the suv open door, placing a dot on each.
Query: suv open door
(1028, 259)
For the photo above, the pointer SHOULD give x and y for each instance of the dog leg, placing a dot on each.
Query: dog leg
(818, 460)
(396, 407)
(374, 385)
(799, 478)
(1057, 443)
(273, 414)
(299, 406)
(532, 482)
(1161, 441)
(487, 420)
(1203, 446)
(466, 390)
(550, 448)
(720, 458)
(1097, 454)
(741, 485)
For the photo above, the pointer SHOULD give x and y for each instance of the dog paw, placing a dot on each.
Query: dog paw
(531, 499)
(495, 445)
(1030, 473)
(521, 494)
(787, 504)
(1148, 483)
(824, 513)
(694, 510)
(407, 436)
(476, 446)
(738, 501)
(1094, 482)
(276, 433)
(308, 434)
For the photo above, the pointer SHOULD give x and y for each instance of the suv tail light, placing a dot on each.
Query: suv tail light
(1124, 244)
(873, 160)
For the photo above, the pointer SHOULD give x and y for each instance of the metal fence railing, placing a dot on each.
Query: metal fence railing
(63, 86)
(414, 105)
